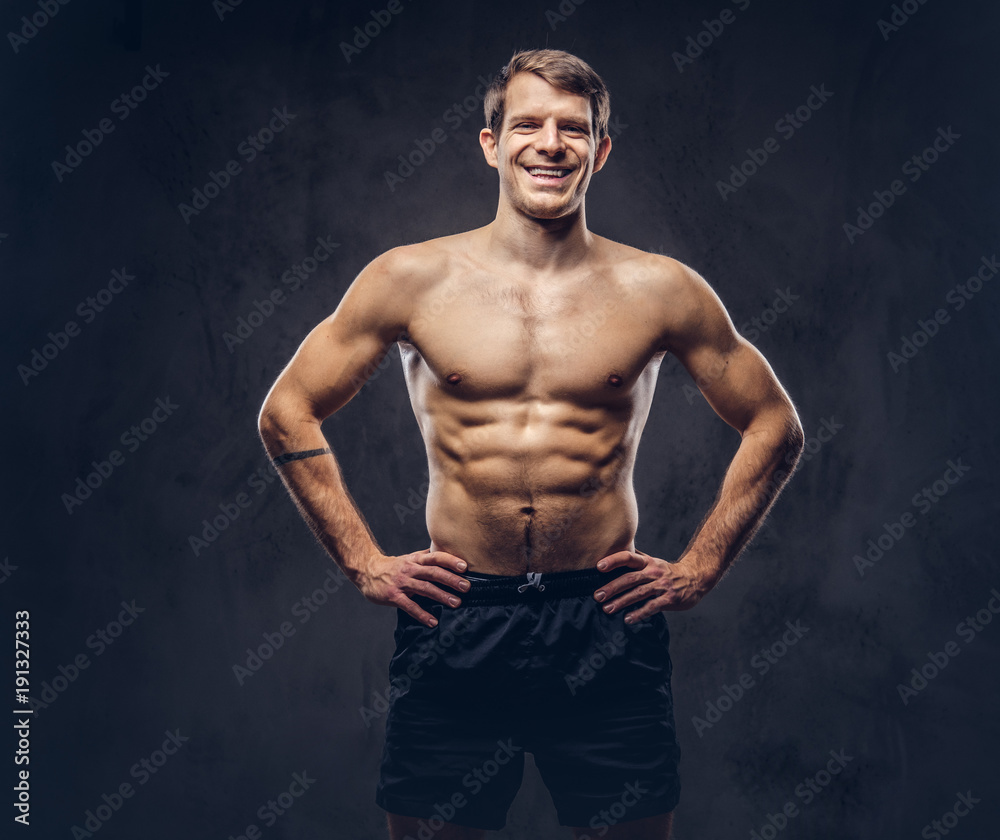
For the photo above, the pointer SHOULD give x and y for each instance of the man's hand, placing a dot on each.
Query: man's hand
(391, 580)
(658, 584)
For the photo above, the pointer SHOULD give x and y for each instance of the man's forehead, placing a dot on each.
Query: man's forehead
(530, 95)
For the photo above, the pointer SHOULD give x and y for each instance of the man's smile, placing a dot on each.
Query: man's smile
(549, 174)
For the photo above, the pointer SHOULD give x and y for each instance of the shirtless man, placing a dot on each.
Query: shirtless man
(530, 349)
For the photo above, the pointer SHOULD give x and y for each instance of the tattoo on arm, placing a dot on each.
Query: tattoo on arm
(298, 456)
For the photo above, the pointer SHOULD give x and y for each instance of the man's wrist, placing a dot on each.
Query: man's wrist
(708, 567)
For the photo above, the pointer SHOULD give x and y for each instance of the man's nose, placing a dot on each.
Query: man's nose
(549, 140)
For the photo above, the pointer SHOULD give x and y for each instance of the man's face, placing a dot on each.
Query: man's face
(545, 150)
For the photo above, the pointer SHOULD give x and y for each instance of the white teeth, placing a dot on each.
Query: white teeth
(537, 170)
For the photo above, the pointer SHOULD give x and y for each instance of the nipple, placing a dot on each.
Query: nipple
(454, 378)
(615, 379)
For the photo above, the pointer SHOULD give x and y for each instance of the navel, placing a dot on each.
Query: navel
(454, 378)
(615, 379)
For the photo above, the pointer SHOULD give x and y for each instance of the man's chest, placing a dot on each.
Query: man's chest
(561, 341)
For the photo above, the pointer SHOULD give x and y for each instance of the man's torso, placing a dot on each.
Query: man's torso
(531, 393)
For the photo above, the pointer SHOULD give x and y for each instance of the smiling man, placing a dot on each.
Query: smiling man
(530, 349)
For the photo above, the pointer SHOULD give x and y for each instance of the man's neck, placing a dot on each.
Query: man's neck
(517, 240)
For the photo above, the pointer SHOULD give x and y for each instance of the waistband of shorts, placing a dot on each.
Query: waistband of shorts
(534, 586)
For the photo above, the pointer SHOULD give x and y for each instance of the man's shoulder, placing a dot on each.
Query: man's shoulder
(417, 264)
(654, 271)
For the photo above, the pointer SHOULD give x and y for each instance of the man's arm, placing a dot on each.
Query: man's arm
(327, 370)
(742, 389)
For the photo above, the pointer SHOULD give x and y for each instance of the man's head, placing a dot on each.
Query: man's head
(547, 131)
(561, 70)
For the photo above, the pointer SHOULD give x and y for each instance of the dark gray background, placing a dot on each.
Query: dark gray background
(836, 689)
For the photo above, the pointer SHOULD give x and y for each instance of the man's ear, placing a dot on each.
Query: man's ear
(603, 150)
(489, 144)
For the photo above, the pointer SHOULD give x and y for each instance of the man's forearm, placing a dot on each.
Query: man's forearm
(318, 490)
(763, 464)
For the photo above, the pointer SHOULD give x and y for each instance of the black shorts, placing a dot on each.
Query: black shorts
(518, 667)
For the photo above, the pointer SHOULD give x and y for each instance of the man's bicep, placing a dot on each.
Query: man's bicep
(746, 388)
(730, 372)
(342, 352)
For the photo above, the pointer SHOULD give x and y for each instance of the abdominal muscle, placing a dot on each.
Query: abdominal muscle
(510, 497)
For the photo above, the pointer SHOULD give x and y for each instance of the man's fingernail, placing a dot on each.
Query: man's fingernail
(629, 619)
(602, 565)
(434, 622)
(462, 565)
(453, 601)
(464, 585)
(609, 608)
(601, 595)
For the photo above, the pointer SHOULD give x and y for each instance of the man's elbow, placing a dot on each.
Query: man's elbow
(779, 426)
(268, 420)
(286, 414)
(277, 416)
(794, 438)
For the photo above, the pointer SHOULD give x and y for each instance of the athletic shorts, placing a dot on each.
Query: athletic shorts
(529, 664)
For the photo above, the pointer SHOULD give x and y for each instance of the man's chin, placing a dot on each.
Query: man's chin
(545, 209)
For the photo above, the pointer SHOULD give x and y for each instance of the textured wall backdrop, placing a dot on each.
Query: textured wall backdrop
(190, 186)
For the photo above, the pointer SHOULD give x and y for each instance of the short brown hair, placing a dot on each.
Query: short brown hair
(560, 69)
